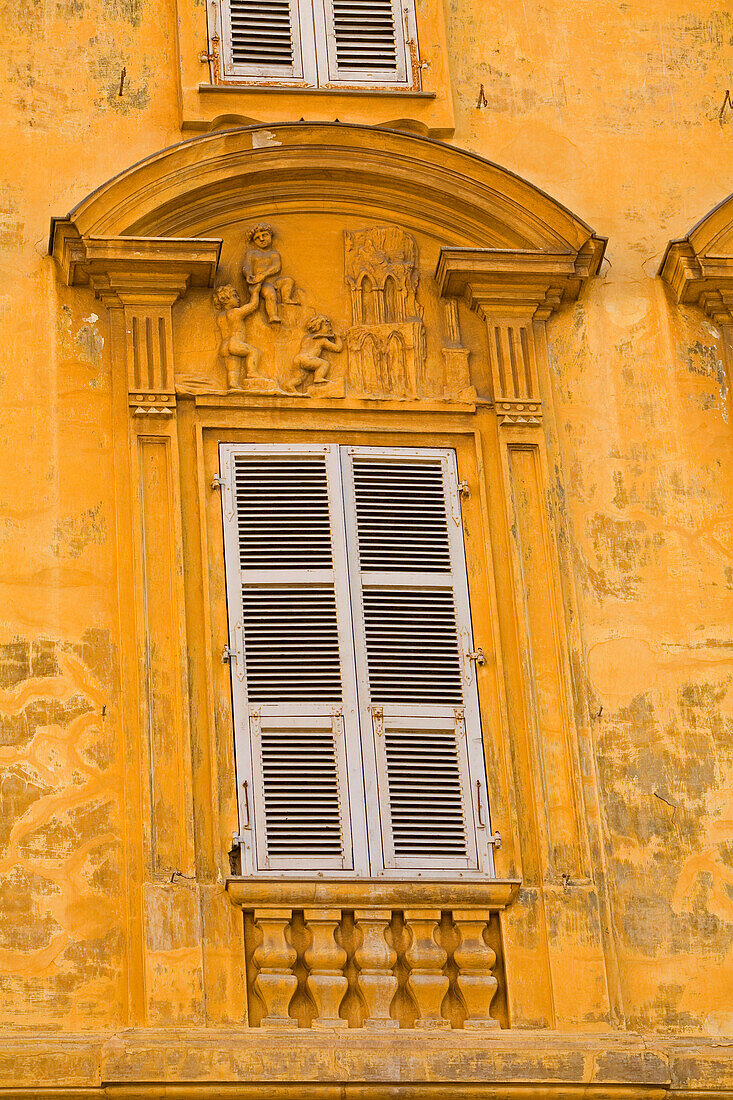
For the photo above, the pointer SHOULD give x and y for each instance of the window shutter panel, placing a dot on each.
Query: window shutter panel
(420, 714)
(292, 672)
(262, 38)
(365, 41)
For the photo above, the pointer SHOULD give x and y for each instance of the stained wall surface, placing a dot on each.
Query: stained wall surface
(619, 114)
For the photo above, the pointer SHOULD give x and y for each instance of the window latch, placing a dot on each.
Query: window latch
(228, 655)
(477, 655)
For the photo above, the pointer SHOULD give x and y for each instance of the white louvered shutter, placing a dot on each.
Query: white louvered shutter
(419, 706)
(294, 690)
(268, 39)
(365, 41)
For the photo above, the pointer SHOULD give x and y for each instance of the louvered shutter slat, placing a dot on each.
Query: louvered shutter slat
(365, 41)
(262, 39)
(261, 33)
(410, 576)
(292, 657)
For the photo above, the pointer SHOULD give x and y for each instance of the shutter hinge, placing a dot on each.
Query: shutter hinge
(237, 838)
(464, 489)
(228, 655)
(494, 839)
(218, 482)
(477, 655)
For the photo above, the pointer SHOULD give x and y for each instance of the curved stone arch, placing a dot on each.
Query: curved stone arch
(194, 188)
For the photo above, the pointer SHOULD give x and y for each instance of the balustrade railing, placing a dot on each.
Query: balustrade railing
(369, 962)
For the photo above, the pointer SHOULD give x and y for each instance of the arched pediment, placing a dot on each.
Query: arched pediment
(699, 267)
(196, 188)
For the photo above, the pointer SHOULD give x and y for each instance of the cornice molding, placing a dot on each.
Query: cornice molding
(134, 270)
(699, 279)
(516, 281)
(425, 185)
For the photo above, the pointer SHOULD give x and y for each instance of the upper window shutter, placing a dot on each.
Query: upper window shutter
(266, 39)
(365, 42)
(420, 721)
(294, 693)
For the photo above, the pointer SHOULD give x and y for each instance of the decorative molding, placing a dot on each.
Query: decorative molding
(143, 277)
(132, 268)
(292, 166)
(387, 342)
(699, 279)
(509, 282)
(262, 893)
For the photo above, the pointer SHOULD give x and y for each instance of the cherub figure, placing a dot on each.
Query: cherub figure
(318, 337)
(240, 358)
(261, 269)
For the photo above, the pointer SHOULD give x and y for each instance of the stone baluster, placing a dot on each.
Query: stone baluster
(376, 958)
(275, 982)
(426, 959)
(475, 960)
(326, 982)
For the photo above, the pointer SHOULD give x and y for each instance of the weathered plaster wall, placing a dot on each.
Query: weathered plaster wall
(616, 113)
(620, 118)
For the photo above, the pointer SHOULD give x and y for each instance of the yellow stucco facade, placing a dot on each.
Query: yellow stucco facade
(555, 185)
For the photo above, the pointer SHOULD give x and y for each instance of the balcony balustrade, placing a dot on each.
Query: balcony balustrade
(376, 955)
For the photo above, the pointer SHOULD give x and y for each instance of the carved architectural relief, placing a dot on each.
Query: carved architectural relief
(262, 272)
(240, 358)
(456, 374)
(310, 368)
(387, 343)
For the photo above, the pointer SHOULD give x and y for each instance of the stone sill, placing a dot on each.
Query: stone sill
(298, 89)
(260, 893)
(262, 1064)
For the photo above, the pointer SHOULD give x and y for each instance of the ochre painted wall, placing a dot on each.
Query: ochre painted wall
(617, 112)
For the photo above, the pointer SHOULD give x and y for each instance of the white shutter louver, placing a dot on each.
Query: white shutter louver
(365, 35)
(262, 33)
(317, 42)
(293, 651)
(409, 563)
(262, 38)
(365, 41)
(423, 768)
(358, 733)
(300, 792)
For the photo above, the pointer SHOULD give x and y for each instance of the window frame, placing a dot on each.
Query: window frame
(315, 63)
(367, 830)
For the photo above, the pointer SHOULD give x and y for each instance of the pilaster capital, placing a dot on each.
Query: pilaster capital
(521, 283)
(699, 278)
(134, 271)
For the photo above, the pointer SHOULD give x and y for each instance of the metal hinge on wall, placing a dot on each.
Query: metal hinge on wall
(218, 482)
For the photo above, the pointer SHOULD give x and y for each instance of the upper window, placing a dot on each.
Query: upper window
(358, 738)
(319, 43)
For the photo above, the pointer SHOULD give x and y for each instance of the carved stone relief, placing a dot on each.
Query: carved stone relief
(262, 272)
(274, 342)
(387, 343)
(310, 362)
(457, 376)
(240, 358)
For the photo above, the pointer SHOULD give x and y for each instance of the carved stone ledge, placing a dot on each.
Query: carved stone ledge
(511, 282)
(130, 265)
(262, 893)
(697, 278)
